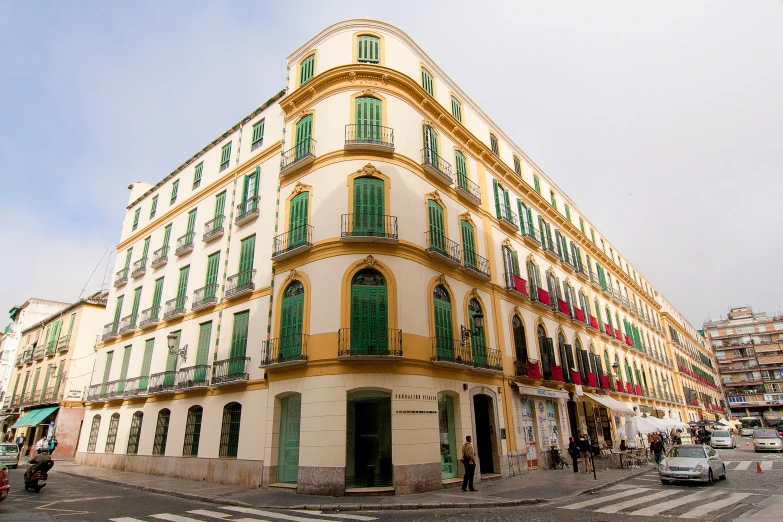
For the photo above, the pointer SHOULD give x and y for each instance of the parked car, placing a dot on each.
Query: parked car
(5, 486)
(694, 462)
(747, 432)
(767, 440)
(9, 455)
(723, 439)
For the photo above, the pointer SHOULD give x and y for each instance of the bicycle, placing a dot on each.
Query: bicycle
(559, 460)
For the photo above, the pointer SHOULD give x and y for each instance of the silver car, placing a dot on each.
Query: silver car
(722, 439)
(9, 454)
(692, 463)
(767, 440)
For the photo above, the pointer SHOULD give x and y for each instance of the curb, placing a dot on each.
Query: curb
(591, 491)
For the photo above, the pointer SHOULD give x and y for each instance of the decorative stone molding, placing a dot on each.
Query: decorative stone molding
(293, 274)
(474, 293)
(466, 217)
(368, 170)
(368, 92)
(435, 195)
(507, 243)
(369, 262)
(441, 280)
(301, 187)
(351, 76)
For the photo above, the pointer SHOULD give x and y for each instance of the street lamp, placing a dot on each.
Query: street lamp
(172, 342)
(478, 324)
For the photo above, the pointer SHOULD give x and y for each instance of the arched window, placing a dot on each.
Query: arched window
(456, 109)
(298, 229)
(192, 431)
(161, 432)
(369, 208)
(444, 329)
(111, 437)
(306, 69)
(478, 342)
(462, 171)
(468, 244)
(547, 351)
(437, 234)
(368, 49)
(517, 167)
(534, 276)
(427, 82)
(93, 440)
(582, 359)
(229, 430)
(628, 373)
(520, 342)
(369, 315)
(566, 356)
(135, 431)
(609, 320)
(369, 120)
(304, 137)
(291, 323)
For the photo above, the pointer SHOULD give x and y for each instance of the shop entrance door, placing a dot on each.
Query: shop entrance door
(288, 448)
(572, 419)
(482, 409)
(368, 459)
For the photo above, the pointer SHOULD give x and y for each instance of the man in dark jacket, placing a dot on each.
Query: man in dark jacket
(657, 448)
(573, 452)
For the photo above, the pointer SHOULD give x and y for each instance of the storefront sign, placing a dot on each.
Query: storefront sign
(543, 392)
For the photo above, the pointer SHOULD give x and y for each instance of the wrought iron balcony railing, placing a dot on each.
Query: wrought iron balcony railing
(175, 307)
(507, 216)
(139, 267)
(109, 331)
(475, 263)
(296, 240)
(213, 228)
(162, 381)
(185, 243)
(467, 187)
(204, 297)
(515, 283)
(160, 257)
(369, 341)
(63, 343)
(230, 370)
(149, 317)
(286, 350)
(122, 277)
(446, 350)
(247, 210)
(435, 165)
(127, 324)
(131, 386)
(38, 353)
(240, 284)
(368, 227)
(193, 377)
(367, 136)
(51, 347)
(444, 247)
(302, 154)
(531, 233)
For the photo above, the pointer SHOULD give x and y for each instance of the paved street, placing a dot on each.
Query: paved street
(745, 496)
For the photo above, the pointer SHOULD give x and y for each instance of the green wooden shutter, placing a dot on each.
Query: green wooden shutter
(35, 382)
(368, 207)
(202, 352)
(306, 69)
(530, 222)
(291, 320)
(304, 131)
(124, 369)
(174, 190)
(437, 229)
(369, 318)
(368, 119)
(212, 274)
(191, 221)
(239, 338)
(146, 362)
(567, 212)
(478, 342)
(225, 156)
(47, 375)
(444, 330)
(136, 299)
(426, 81)
(157, 292)
(297, 227)
(118, 308)
(128, 255)
(369, 49)
(146, 248)
(247, 250)
(182, 286)
(106, 370)
(220, 204)
(431, 147)
(166, 235)
(462, 171)
(258, 133)
(136, 218)
(70, 324)
(56, 333)
(515, 263)
(154, 206)
(468, 244)
(537, 184)
(197, 175)
(456, 109)
(497, 198)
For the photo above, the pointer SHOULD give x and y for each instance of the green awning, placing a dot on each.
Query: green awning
(34, 417)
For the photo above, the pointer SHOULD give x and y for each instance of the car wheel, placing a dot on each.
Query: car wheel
(665, 482)
(723, 476)
(710, 478)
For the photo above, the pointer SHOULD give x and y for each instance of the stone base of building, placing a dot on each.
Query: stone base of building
(516, 463)
(225, 471)
(314, 480)
(417, 478)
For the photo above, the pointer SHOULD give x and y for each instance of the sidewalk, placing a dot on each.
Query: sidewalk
(534, 487)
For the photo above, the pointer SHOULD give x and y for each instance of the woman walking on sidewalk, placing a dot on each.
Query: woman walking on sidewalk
(469, 461)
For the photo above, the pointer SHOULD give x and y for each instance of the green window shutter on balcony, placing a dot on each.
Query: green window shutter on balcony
(250, 184)
(146, 361)
(107, 366)
(368, 118)
(154, 207)
(118, 308)
(47, 376)
(567, 212)
(497, 198)
(297, 226)
(307, 69)
(174, 190)
(444, 329)
(136, 299)
(537, 184)
(204, 335)
(146, 248)
(368, 205)
(468, 244)
(304, 133)
(239, 335)
(462, 171)
(456, 109)
(182, 285)
(515, 263)
(191, 221)
(125, 362)
(291, 320)
(212, 269)
(246, 253)
(128, 255)
(369, 49)
(431, 145)
(437, 229)
(157, 292)
(70, 324)
(258, 132)
(426, 81)
(166, 235)
(220, 204)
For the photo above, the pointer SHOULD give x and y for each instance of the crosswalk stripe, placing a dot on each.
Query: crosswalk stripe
(125, 519)
(714, 505)
(614, 508)
(671, 504)
(766, 465)
(743, 465)
(174, 518)
(627, 492)
(769, 512)
(346, 516)
(208, 513)
(270, 514)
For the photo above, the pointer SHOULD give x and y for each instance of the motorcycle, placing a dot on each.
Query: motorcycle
(36, 475)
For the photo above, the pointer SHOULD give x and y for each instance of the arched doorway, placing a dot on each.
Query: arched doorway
(369, 314)
(368, 444)
(485, 445)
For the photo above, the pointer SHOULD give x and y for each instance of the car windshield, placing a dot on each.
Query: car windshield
(720, 433)
(765, 434)
(8, 448)
(688, 452)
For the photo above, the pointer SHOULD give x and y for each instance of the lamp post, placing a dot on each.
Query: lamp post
(172, 343)
(478, 324)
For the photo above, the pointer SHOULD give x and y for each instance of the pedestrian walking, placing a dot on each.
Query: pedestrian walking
(657, 448)
(42, 446)
(573, 452)
(584, 450)
(20, 442)
(52, 444)
(469, 461)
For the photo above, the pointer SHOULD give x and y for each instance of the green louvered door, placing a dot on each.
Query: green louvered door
(238, 343)
(444, 345)
(468, 245)
(288, 448)
(106, 371)
(171, 363)
(202, 352)
(437, 229)
(431, 147)
(368, 119)
(135, 306)
(212, 274)
(369, 314)
(123, 370)
(182, 287)
(291, 321)
(368, 207)
(146, 362)
(297, 228)
(478, 342)
(304, 133)
(247, 249)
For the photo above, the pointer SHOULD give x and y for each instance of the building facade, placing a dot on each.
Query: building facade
(51, 374)
(408, 277)
(748, 346)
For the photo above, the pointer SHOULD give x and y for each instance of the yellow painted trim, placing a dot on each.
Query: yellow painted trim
(298, 189)
(391, 285)
(435, 281)
(294, 276)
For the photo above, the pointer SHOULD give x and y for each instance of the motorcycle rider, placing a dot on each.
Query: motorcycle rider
(41, 462)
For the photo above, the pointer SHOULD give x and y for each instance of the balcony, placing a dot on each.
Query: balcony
(475, 264)
(28, 355)
(175, 307)
(616, 296)
(625, 303)
(507, 217)
(103, 391)
(436, 166)
(240, 284)
(298, 157)
(468, 189)
(38, 353)
(149, 317)
(230, 370)
(64, 343)
(160, 257)
(193, 377)
(368, 227)
(127, 324)
(293, 242)
(52, 394)
(247, 210)
(515, 284)
(443, 248)
(162, 382)
(531, 235)
(451, 352)
(213, 229)
(529, 368)
(20, 360)
(369, 137)
(139, 267)
(540, 296)
(185, 244)
(549, 249)
(581, 273)
(204, 297)
(285, 351)
(369, 342)
(109, 331)
(51, 347)
(121, 278)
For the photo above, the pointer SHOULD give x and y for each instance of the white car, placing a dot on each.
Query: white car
(747, 432)
(692, 463)
(767, 440)
(723, 439)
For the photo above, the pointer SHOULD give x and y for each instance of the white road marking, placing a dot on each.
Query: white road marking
(770, 512)
(270, 514)
(125, 519)
(627, 492)
(766, 465)
(715, 505)
(346, 516)
(743, 465)
(174, 518)
(648, 479)
(208, 513)
(671, 504)
(614, 508)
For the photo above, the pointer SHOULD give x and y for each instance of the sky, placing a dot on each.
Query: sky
(660, 119)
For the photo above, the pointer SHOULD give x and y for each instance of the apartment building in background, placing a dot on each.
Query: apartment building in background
(337, 290)
(52, 372)
(748, 346)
